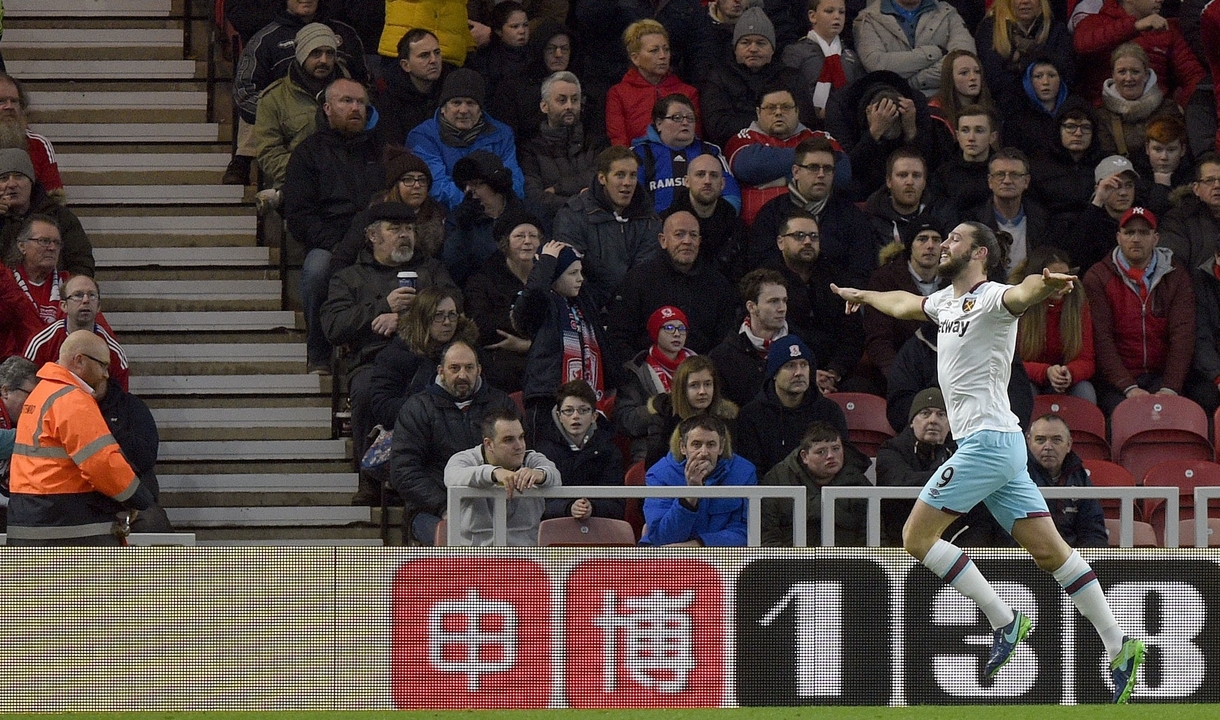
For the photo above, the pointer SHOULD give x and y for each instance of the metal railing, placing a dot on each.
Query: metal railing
(1126, 513)
(752, 494)
(1202, 495)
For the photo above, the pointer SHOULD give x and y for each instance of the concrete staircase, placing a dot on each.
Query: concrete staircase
(247, 450)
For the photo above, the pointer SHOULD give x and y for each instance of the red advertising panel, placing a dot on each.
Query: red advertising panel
(644, 633)
(471, 633)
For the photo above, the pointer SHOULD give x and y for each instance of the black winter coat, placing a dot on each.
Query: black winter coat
(722, 235)
(728, 98)
(767, 431)
(959, 184)
(847, 237)
(740, 366)
(397, 374)
(134, 429)
(903, 461)
(401, 106)
(598, 462)
(562, 158)
(818, 316)
(1063, 185)
(330, 178)
(1081, 522)
(490, 294)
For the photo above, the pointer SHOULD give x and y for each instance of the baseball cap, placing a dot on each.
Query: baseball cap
(1113, 165)
(1137, 212)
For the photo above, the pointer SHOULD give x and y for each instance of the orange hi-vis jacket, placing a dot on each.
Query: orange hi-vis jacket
(67, 477)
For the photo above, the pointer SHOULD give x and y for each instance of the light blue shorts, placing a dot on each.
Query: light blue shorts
(990, 467)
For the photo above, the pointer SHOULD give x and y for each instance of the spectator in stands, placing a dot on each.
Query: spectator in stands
(1032, 122)
(815, 312)
(135, 430)
(904, 202)
(15, 133)
(491, 292)
(568, 340)
(1052, 463)
(22, 197)
(33, 260)
(433, 426)
(822, 459)
(705, 457)
(961, 181)
(1129, 98)
(964, 86)
(506, 54)
(18, 377)
(412, 86)
(673, 278)
(365, 301)
(1203, 386)
(741, 359)
(516, 100)
(1063, 171)
(459, 128)
(1090, 236)
(650, 373)
(724, 15)
(1143, 315)
(1209, 39)
(910, 458)
(331, 176)
(629, 103)
(911, 266)
(761, 155)
(1011, 37)
(1055, 337)
(1010, 209)
(81, 309)
(1164, 164)
(19, 319)
(874, 117)
(667, 146)
(840, 222)
(249, 16)
(1192, 229)
(731, 91)
(1176, 69)
(772, 424)
(611, 224)
(560, 160)
(469, 234)
(266, 58)
(288, 108)
(826, 62)
(448, 20)
(407, 364)
(722, 234)
(584, 453)
(501, 461)
(910, 37)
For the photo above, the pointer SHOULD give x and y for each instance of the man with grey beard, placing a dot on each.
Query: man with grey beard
(15, 133)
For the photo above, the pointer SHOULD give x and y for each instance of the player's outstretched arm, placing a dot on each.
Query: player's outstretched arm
(895, 303)
(1036, 288)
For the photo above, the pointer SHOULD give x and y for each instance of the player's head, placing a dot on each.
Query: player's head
(973, 245)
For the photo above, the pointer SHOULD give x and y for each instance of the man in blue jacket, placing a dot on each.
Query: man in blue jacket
(707, 459)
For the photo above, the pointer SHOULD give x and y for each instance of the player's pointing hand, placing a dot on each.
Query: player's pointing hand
(850, 295)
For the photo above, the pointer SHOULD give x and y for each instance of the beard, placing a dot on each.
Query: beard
(402, 256)
(12, 134)
(951, 267)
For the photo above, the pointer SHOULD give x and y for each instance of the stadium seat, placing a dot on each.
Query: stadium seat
(1185, 475)
(1145, 536)
(1186, 533)
(518, 400)
(1103, 473)
(635, 508)
(867, 423)
(590, 531)
(1150, 429)
(441, 538)
(1084, 419)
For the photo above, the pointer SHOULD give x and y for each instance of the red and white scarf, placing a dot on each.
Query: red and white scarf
(44, 296)
(833, 77)
(582, 356)
(662, 367)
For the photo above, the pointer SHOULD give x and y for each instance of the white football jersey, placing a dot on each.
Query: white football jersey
(975, 347)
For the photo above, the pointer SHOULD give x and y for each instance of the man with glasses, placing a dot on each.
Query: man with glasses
(15, 133)
(22, 197)
(1008, 208)
(1143, 315)
(81, 307)
(1192, 229)
(841, 225)
(676, 277)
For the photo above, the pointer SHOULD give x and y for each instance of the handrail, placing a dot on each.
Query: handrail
(752, 494)
(1126, 515)
(1202, 495)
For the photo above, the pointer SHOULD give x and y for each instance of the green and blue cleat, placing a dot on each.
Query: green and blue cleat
(1004, 642)
(1125, 667)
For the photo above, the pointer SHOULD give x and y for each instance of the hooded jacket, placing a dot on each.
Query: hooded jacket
(663, 168)
(496, 138)
(716, 522)
(850, 515)
(592, 460)
(330, 178)
(731, 92)
(883, 45)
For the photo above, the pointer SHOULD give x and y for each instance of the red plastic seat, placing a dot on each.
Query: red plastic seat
(590, 531)
(1083, 418)
(441, 537)
(1144, 535)
(1186, 475)
(634, 512)
(1150, 429)
(867, 423)
(1103, 473)
(518, 400)
(1186, 533)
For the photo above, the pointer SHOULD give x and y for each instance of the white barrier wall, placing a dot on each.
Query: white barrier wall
(162, 629)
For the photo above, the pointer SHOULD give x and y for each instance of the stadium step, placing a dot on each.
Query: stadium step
(193, 257)
(140, 162)
(254, 385)
(128, 132)
(201, 321)
(156, 194)
(222, 423)
(78, 70)
(87, 8)
(36, 38)
(191, 517)
(252, 450)
(166, 352)
(259, 483)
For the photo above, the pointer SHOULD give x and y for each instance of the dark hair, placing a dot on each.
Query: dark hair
(817, 143)
(413, 36)
(1009, 153)
(613, 154)
(703, 421)
(996, 242)
(578, 389)
(1209, 158)
(454, 343)
(1031, 333)
(27, 230)
(751, 285)
(503, 11)
(797, 215)
(819, 431)
(773, 87)
(488, 425)
(906, 152)
(660, 108)
(976, 109)
(415, 323)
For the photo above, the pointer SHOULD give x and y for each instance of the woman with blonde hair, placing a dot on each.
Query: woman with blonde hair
(1012, 34)
(629, 103)
(1129, 99)
(1055, 337)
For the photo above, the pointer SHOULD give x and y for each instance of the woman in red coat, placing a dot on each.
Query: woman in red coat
(629, 103)
(1055, 337)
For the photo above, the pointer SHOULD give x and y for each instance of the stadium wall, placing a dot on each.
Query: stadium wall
(166, 629)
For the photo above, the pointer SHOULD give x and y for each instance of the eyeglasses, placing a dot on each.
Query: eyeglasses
(816, 168)
(777, 107)
(802, 237)
(570, 411)
(47, 242)
(1007, 175)
(83, 296)
(441, 317)
(413, 180)
(1073, 128)
(672, 328)
(1208, 181)
(104, 363)
(683, 119)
